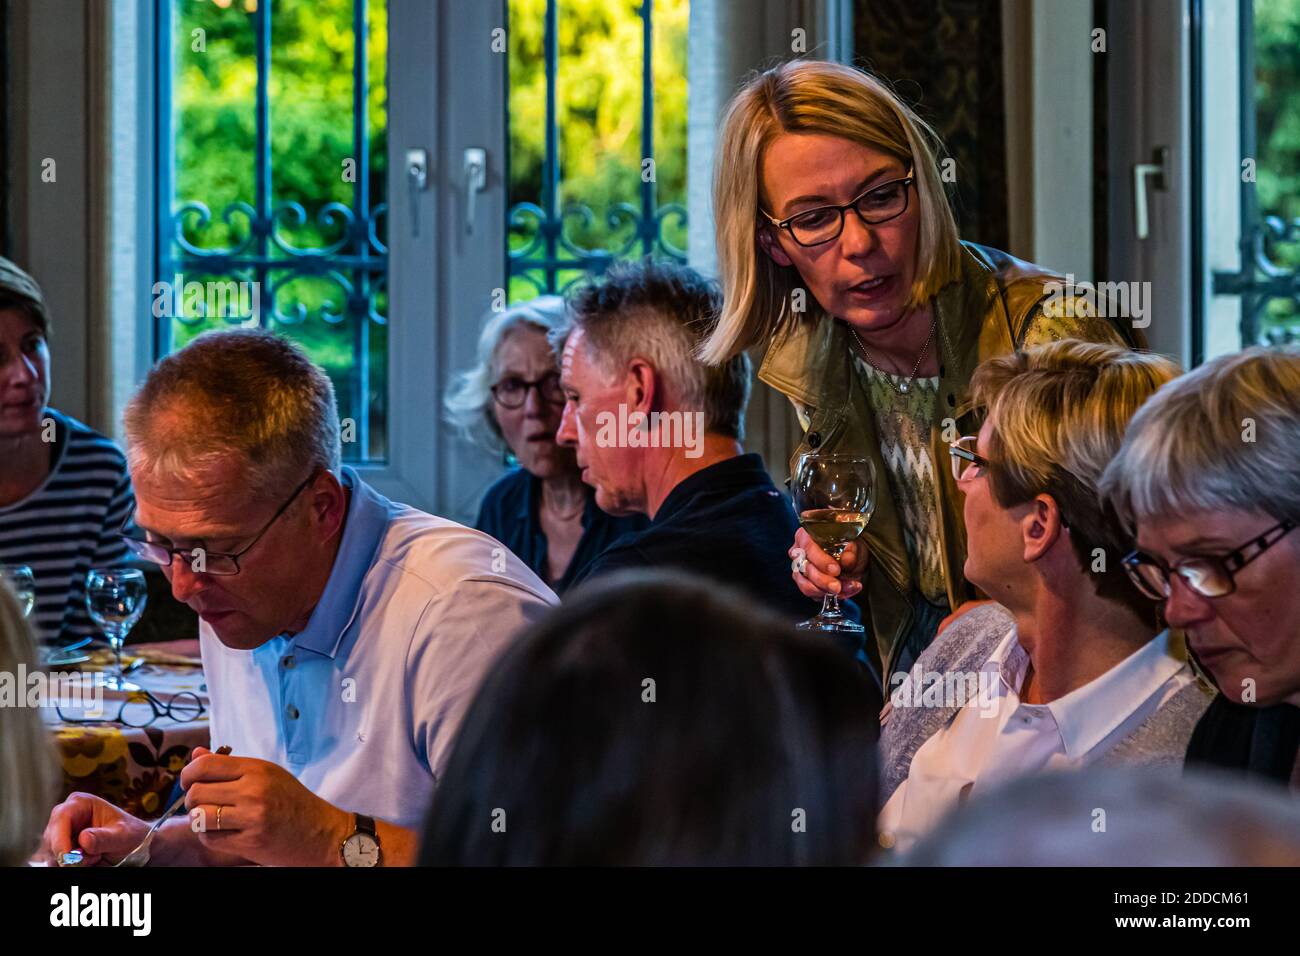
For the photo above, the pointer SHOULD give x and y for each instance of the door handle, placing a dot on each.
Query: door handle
(1156, 171)
(475, 168)
(417, 181)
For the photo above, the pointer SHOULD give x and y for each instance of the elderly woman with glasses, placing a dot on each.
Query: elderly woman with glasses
(1209, 479)
(511, 402)
(839, 253)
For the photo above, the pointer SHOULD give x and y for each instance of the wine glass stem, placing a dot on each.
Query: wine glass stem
(117, 642)
(831, 602)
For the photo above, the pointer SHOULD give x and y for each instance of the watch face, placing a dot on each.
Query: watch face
(361, 849)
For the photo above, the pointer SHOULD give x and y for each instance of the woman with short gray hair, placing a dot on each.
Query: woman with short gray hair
(1209, 479)
(510, 402)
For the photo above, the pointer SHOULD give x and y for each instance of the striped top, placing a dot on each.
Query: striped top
(68, 525)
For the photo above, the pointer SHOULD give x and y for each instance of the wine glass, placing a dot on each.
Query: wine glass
(834, 495)
(115, 598)
(22, 582)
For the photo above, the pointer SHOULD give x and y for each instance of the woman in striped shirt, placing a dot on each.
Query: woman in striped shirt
(64, 488)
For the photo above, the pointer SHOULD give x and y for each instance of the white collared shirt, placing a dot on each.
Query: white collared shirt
(998, 737)
(363, 704)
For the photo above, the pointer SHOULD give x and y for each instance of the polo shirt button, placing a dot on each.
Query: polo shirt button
(292, 711)
(288, 662)
(814, 439)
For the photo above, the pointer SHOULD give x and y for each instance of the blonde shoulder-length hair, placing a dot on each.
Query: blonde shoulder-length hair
(29, 764)
(811, 96)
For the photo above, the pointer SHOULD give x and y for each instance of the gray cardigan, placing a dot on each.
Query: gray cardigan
(965, 646)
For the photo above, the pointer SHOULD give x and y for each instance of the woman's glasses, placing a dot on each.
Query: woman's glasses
(961, 454)
(512, 392)
(877, 205)
(139, 709)
(1210, 576)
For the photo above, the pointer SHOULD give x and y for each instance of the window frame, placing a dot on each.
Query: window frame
(545, 252)
(448, 273)
(440, 280)
(356, 262)
(1244, 279)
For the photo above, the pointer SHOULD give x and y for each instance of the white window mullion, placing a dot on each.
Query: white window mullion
(1222, 167)
(446, 90)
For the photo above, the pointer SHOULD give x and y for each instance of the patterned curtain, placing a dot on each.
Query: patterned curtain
(944, 58)
(7, 94)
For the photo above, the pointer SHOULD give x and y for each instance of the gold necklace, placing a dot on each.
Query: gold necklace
(889, 378)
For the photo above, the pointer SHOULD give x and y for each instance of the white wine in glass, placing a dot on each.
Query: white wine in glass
(835, 496)
(833, 529)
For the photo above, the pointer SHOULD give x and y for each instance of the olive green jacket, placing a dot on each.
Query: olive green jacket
(996, 306)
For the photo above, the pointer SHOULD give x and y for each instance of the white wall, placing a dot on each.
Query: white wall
(55, 230)
(1048, 63)
(727, 40)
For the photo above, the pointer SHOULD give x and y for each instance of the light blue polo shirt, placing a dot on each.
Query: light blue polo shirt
(363, 704)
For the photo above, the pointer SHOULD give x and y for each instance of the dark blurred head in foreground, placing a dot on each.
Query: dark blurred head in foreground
(653, 721)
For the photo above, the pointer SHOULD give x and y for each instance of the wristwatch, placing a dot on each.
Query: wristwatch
(362, 847)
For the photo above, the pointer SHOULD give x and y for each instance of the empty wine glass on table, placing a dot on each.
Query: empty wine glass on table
(834, 495)
(22, 582)
(115, 599)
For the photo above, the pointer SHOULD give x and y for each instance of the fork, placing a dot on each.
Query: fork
(140, 855)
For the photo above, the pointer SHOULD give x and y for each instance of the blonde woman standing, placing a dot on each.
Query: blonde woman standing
(838, 251)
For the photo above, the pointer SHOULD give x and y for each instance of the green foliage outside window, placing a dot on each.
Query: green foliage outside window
(598, 110)
(310, 91)
(1277, 117)
(311, 78)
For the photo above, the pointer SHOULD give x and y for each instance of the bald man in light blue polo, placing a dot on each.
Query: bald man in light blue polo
(343, 634)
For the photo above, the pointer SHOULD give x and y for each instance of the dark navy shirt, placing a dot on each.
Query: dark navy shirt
(729, 522)
(510, 513)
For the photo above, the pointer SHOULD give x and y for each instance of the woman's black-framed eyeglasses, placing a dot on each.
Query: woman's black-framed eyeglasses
(875, 206)
(139, 709)
(1211, 576)
(962, 455)
(200, 560)
(513, 392)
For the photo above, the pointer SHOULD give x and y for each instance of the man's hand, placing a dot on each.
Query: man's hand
(102, 832)
(266, 815)
(822, 574)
